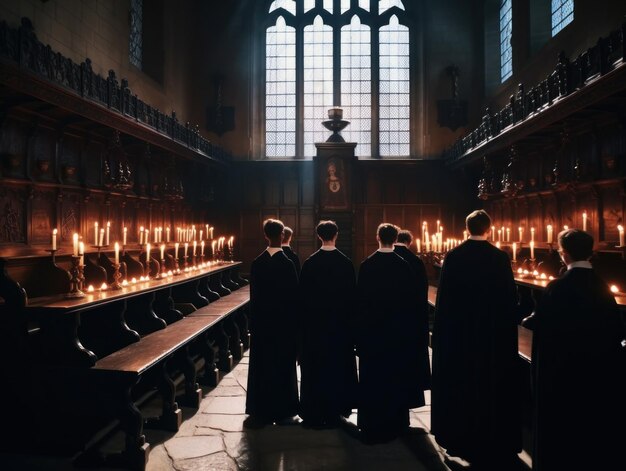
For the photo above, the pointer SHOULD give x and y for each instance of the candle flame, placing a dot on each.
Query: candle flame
(90, 289)
(103, 287)
(614, 289)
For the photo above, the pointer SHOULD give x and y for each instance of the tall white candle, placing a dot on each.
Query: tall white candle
(508, 234)
(621, 235)
(231, 242)
(514, 251)
(167, 234)
(464, 235)
(195, 244)
(201, 232)
(532, 234)
(148, 255)
(186, 247)
(493, 233)
(419, 248)
(101, 236)
(211, 231)
(141, 235)
(176, 250)
(549, 236)
(584, 220)
(125, 234)
(108, 231)
(75, 243)
(81, 252)
(54, 239)
(95, 233)
(521, 233)
(162, 251)
(207, 229)
(213, 248)
(499, 235)
(532, 250)
(202, 248)
(117, 253)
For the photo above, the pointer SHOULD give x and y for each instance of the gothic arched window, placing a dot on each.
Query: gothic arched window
(349, 53)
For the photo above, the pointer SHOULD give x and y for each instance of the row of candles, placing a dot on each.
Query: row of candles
(101, 236)
(503, 235)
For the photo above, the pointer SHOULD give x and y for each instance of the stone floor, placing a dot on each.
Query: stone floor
(213, 438)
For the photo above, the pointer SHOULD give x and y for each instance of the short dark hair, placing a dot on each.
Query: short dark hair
(478, 222)
(287, 233)
(273, 229)
(578, 244)
(405, 237)
(387, 233)
(326, 230)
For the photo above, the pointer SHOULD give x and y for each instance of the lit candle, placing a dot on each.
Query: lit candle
(195, 243)
(186, 247)
(162, 251)
(614, 289)
(176, 250)
(200, 234)
(532, 234)
(584, 220)
(90, 289)
(54, 239)
(213, 248)
(499, 235)
(101, 236)
(207, 229)
(498, 244)
(103, 287)
(117, 253)
(514, 251)
(156, 235)
(419, 248)
(231, 242)
(75, 242)
(621, 235)
(108, 231)
(202, 248)
(566, 228)
(167, 234)
(508, 234)
(493, 233)
(95, 233)
(125, 234)
(146, 236)
(148, 255)
(211, 231)
(549, 237)
(193, 232)
(464, 235)
(532, 250)
(141, 235)
(521, 233)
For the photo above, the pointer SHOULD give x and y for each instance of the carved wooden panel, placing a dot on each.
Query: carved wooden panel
(43, 217)
(12, 215)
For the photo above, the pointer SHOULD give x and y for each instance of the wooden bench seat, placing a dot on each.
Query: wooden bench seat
(153, 358)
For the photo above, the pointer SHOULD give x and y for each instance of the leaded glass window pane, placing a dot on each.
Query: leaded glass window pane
(356, 85)
(394, 93)
(136, 33)
(280, 82)
(318, 82)
(506, 31)
(385, 5)
(562, 14)
(289, 5)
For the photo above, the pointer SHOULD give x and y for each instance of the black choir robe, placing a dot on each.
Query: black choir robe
(272, 392)
(291, 255)
(419, 355)
(578, 375)
(387, 301)
(328, 376)
(476, 369)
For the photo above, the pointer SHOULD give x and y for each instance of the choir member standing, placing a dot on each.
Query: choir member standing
(418, 356)
(387, 303)
(291, 255)
(272, 394)
(578, 364)
(327, 363)
(476, 375)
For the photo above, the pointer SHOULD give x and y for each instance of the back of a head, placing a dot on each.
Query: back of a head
(405, 237)
(387, 233)
(287, 233)
(273, 229)
(578, 244)
(478, 222)
(327, 230)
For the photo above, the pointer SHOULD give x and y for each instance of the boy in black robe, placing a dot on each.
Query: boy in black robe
(327, 364)
(291, 255)
(418, 357)
(272, 394)
(476, 371)
(578, 363)
(387, 301)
